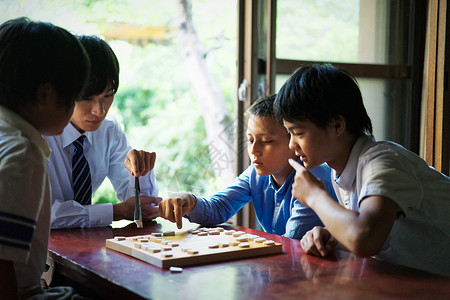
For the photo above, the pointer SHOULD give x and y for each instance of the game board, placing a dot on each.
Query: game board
(184, 248)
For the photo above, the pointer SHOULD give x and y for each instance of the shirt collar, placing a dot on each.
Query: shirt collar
(70, 134)
(286, 184)
(28, 130)
(346, 179)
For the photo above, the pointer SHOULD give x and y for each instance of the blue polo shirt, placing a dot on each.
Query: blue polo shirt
(277, 210)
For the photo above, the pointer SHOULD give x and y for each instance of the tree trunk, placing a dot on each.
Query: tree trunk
(216, 116)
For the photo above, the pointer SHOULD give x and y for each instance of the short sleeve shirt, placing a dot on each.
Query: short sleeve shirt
(420, 236)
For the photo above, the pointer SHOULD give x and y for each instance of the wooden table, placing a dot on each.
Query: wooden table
(80, 255)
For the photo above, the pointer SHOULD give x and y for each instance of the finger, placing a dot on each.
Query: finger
(165, 211)
(134, 163)
(178, 213)
(148, 162)
(319, 242)
(296, 165)
(308, 245)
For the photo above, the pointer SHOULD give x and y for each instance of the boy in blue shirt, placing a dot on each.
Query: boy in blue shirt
(43, 70)
(393, 205)
(266, 182)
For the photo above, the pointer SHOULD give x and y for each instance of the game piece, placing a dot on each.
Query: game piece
(157, 234)
(120, 238)
(176, 269)
(242, 239)
(184, 248)
(169, 233)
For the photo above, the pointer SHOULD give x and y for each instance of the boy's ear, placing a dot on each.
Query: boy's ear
(338, 124)
(44, 93)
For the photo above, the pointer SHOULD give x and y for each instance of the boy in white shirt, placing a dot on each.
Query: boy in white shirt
(43, 70)
(393, 205)
(105, 148)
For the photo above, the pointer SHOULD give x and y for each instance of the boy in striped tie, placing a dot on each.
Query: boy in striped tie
(93, 147)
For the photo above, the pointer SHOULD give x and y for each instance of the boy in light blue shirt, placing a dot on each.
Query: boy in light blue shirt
(267, 182)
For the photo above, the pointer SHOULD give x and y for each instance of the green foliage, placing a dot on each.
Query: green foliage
(313, 30)
(105, 194)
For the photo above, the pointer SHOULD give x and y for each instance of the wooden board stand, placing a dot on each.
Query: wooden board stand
(193, 247)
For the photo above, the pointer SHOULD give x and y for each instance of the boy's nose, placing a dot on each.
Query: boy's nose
(292, 144)
(254, 149)
(98, 110)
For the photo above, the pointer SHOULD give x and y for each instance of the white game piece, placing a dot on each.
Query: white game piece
(229, 232)
(166, 248)
(203, 233)
(169, 233)
(213, 246)
(251, 237)
(173, 244)
(120, 238)
(260, 240)
(234, 243)
(238, 233)
(166, 254)
(153, 250)
(193, 252)
(164, 242)
(157, 234)
(224, 245)
(176, 269)
(214, 232)
(269, 243)
(242, 239)
(244, 245)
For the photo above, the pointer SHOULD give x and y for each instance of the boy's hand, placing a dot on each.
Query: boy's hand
(140, 162)
(318, 242)
(149, 208)
(176, 206)
(305, 185)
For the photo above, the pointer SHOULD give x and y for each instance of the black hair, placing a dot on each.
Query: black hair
(104, 70)
(35, 53)
(263, 107)
(319, 93)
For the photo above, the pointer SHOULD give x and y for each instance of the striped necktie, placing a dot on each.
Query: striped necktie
(81, 176)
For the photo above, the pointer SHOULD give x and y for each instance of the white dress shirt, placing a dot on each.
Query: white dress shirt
(105, 150)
